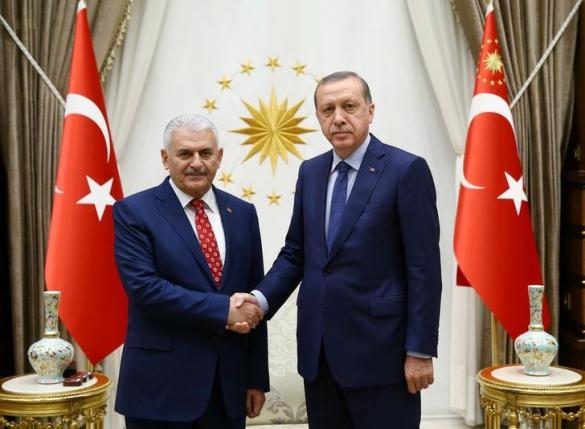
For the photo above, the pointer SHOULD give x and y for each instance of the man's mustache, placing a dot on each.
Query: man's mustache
(194, 172)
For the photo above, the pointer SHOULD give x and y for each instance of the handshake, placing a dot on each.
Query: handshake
(245, 313)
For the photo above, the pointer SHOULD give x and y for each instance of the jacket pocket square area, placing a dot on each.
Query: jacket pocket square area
(387, 305)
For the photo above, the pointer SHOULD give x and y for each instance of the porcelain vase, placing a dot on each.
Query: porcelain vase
(51, 355)
(536, 348)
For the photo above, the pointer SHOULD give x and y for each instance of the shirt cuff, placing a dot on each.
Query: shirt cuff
(261, 300)
(418, 355)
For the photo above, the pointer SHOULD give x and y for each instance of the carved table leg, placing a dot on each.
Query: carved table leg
(492, 417)
(512, 419)
(556, 420)
(95, 417)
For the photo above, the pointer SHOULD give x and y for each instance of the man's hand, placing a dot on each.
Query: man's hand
(239, 328)
(244, 313)
(419, 373)
(254, 402)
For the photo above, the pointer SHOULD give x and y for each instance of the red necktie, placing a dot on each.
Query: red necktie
(207, 241)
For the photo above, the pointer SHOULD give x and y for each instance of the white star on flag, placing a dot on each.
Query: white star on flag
(515, 192)
(99, 196)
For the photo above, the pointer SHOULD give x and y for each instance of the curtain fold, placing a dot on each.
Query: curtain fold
(128, 76)
(542, 118)
(30, 133)
(451, 72)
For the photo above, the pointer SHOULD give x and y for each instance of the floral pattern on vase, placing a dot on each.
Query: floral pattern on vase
(51, 355)
(536, 348)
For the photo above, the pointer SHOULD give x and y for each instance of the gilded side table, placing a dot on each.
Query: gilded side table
(507, 392)
(25, 404)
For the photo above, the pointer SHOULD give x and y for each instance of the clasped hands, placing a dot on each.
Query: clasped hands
(244, 314)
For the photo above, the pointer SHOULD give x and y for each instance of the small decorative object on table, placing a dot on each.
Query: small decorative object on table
(536, 348)
(50, 355)
(78, 378)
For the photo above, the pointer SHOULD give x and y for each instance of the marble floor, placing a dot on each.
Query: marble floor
(425, 424)
(443, 424)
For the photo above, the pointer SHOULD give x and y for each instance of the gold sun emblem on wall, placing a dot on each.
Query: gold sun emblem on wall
(273, 130)
(493, 62)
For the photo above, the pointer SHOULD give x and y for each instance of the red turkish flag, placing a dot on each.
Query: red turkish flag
(494, 241)
(80, 255)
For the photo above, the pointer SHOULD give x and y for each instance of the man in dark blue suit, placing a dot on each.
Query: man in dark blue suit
(364, 241)
(185, 252)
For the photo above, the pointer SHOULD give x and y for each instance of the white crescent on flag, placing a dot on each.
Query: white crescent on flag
(78, 104)
(487, 103)
(490, 103)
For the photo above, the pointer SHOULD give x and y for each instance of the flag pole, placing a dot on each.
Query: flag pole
(495, 340)
(88, 365)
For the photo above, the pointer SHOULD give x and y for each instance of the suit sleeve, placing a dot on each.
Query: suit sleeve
(419, 225)
(258, 377)
(153, 295)
(287, 270)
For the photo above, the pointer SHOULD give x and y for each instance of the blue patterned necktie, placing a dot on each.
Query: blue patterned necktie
(338, 199)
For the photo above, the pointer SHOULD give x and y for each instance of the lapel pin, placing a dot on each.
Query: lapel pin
(372, 170)
(229, 210)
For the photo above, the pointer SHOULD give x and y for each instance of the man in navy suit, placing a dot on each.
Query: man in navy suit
(364, 241)
(185, 252)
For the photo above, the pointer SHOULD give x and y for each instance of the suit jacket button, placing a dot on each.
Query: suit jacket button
(326, 273)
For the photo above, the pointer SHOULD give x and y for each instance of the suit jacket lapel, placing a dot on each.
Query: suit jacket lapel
(323, 171)
(370, 172)
(173, 212)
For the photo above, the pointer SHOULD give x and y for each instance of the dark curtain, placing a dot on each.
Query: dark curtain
(6, 359)
(30, 129)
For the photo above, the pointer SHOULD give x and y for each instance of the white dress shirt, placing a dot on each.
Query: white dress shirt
(212, 211)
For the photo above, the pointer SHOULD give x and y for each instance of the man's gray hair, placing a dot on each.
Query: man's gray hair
(190, 122)
(342, 75)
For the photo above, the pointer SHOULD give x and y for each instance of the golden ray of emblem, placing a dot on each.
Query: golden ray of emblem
(273, 130)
